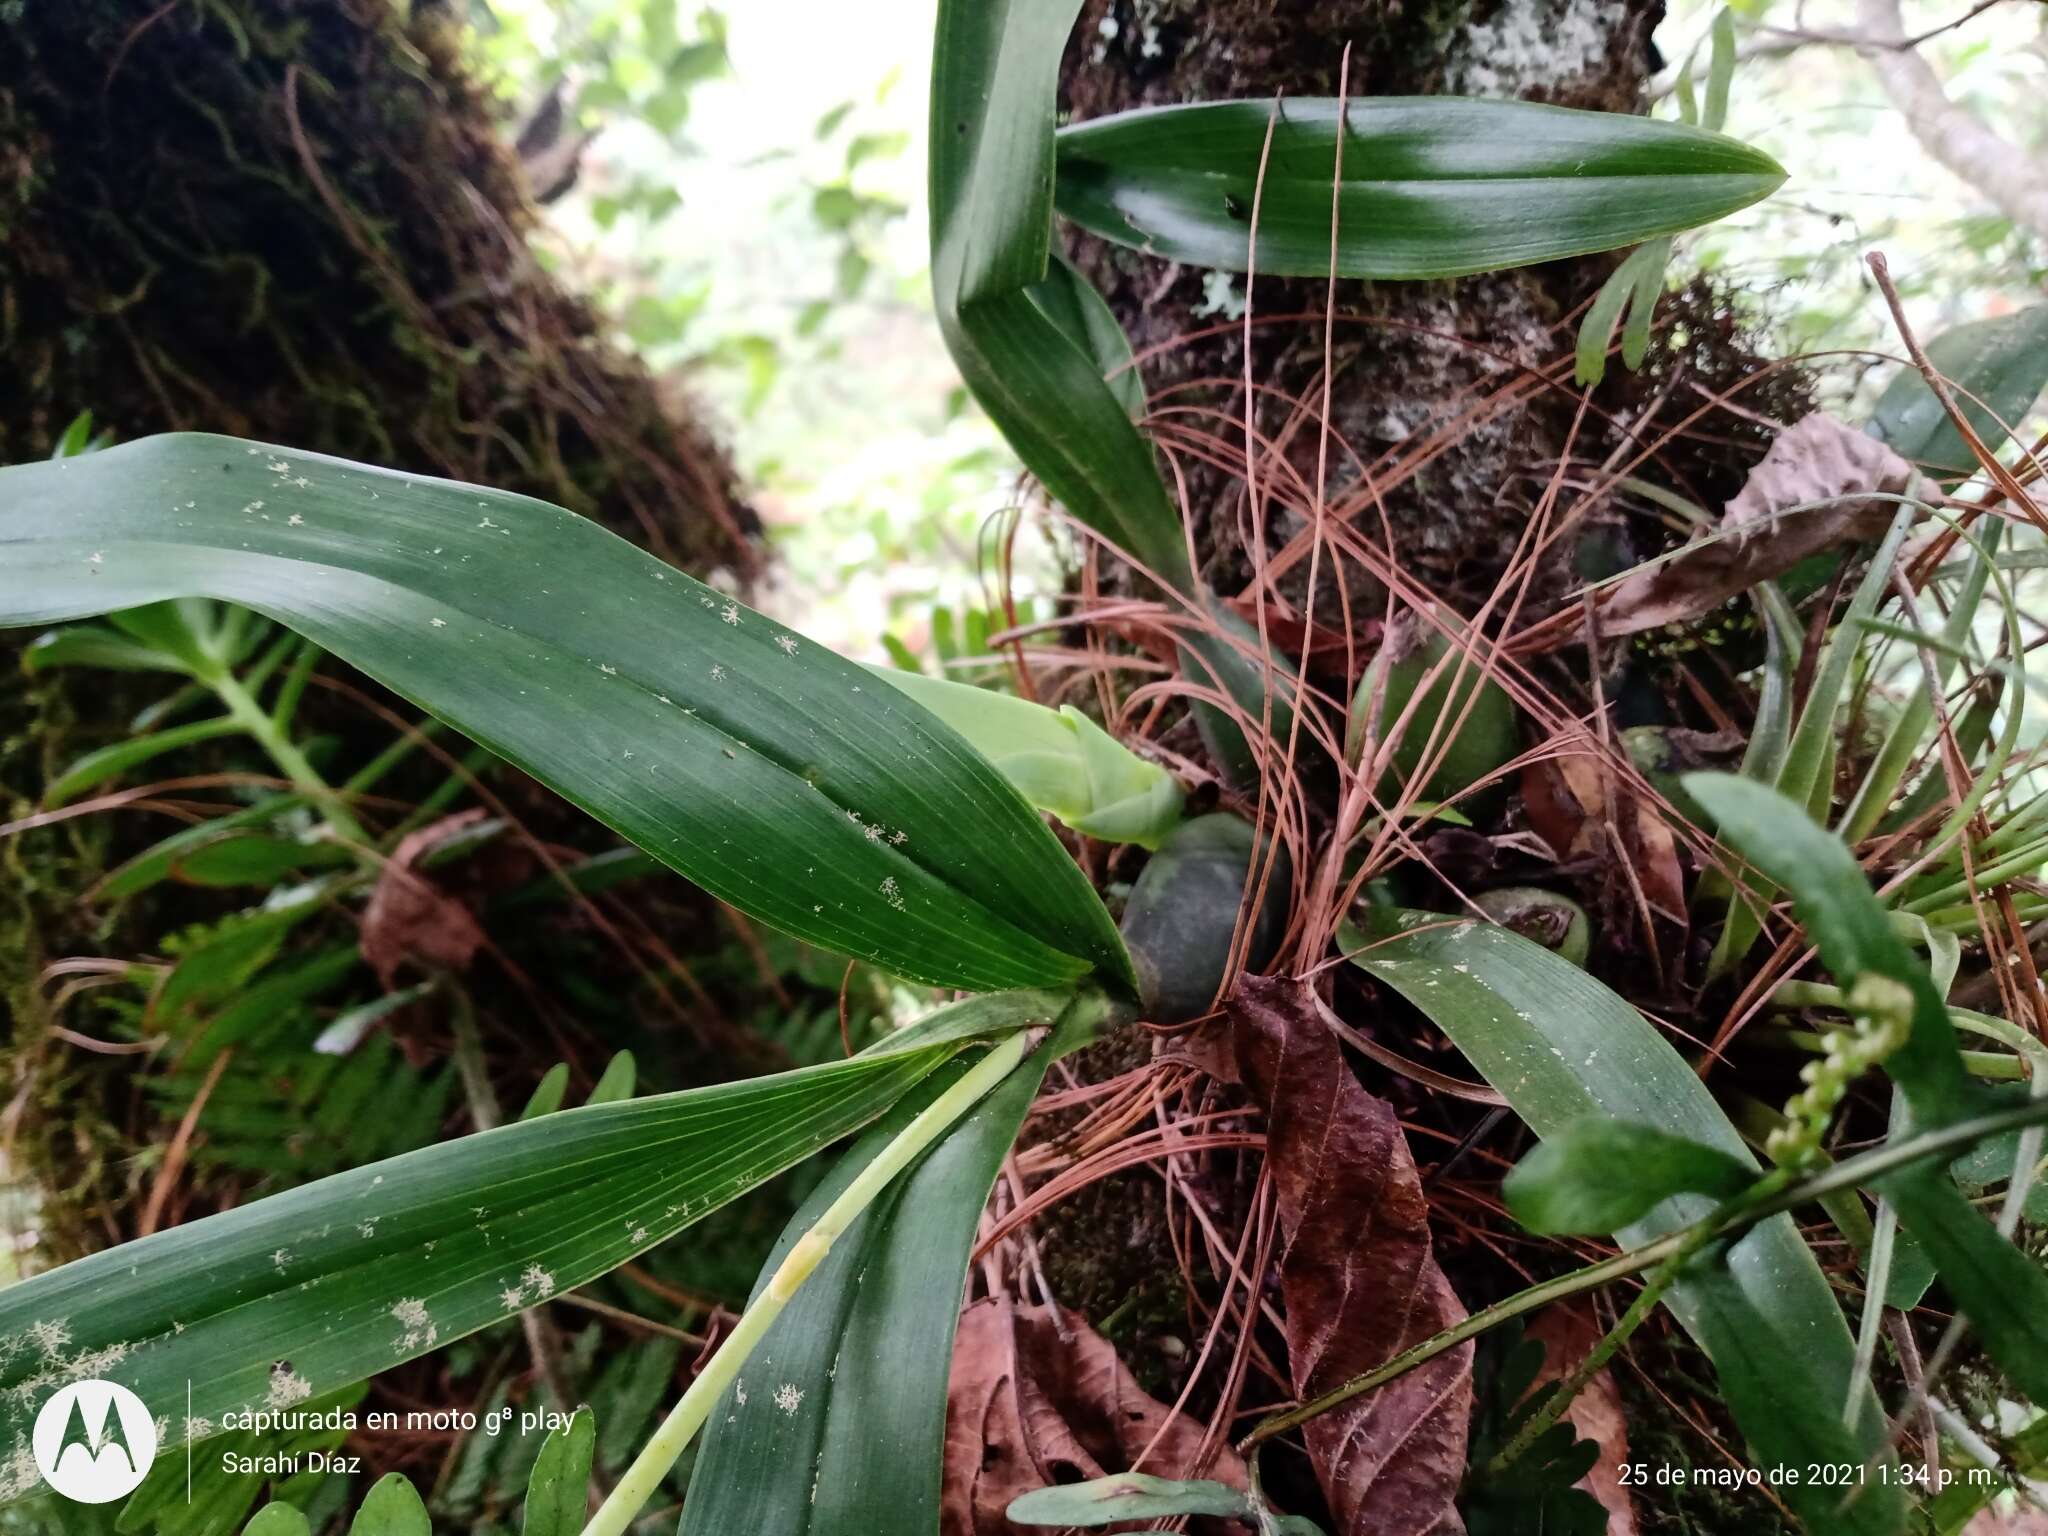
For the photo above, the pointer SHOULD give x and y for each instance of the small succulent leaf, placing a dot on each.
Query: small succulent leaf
(1599, 1175)
(391, 1508)
(1128, 1496)
(558, 1489)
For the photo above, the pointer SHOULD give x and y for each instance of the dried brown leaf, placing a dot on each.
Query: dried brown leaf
(1567, 800)
(1568, 1334)
(1819, 460)
(409, 917)
(1358, 1275)
(1038, 1398)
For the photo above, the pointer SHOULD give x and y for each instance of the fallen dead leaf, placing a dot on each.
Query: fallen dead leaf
(1030, 1405)
(1359, 1280)
(409, 917)
(1819, 460)
(1567, 798)
(1569, 1334)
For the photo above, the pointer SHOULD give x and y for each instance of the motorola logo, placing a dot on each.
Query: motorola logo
(93, 1441)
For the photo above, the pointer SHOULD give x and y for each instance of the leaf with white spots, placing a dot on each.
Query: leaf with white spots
(540, 635)
(292, 1297)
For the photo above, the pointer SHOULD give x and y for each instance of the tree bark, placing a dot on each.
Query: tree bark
(1422, 347)
(295, 220)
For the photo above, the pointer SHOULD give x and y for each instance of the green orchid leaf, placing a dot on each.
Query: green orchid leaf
(1128, 1496)
(277, 1520)
(1560, 1047)
(837, 1426)
(282, 1299)
(1070, 301)
(615, 1083)
(776, 775)
(1996, 370)
(558, 1490)
(1599, 1175)
(994, 80)
(392, 1508)
(1998, 1286)
(1034, 349)
(1432, 186)
(548, 1093)
(1059, 760)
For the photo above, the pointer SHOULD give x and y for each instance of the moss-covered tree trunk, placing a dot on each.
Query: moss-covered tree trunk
(297, 221)
(1428, 347)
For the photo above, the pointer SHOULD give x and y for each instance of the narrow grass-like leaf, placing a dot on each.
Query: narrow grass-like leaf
(778, 776)
(95, 645)
(2004, 1292)
(276, 1301)
(1433, 186)
(2001, 362)
(1560, 1046)
(1854, 934)
(1805, 776)
(1647, 287)
(1720, 72)
(1903, 737)
(96, 767)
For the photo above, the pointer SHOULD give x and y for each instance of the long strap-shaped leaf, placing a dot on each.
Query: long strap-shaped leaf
(1433, 186)
(1026, 338)
(838, 1426)
(775, 774)
(1560, 1046)
(994, 81)
(308, 1291)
